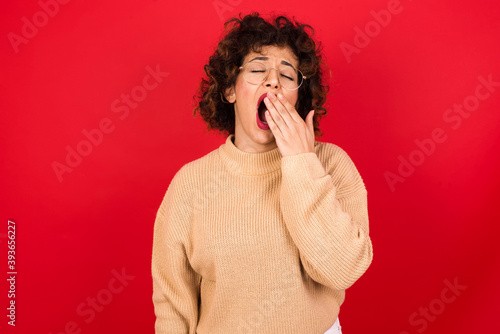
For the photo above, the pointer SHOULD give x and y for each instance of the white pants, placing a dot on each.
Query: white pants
(335, 329)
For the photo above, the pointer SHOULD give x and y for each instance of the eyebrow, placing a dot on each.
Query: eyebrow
(267, 58)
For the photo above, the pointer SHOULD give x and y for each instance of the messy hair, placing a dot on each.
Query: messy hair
(251, 33)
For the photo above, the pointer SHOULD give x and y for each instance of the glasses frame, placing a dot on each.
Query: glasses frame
(268, 70)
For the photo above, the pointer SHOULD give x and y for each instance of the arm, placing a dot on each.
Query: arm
(327, 217)
(175, 283)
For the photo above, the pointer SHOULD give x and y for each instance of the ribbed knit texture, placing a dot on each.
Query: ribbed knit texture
(259, 243)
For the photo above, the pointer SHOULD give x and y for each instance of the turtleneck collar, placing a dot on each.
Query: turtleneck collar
(255, 163)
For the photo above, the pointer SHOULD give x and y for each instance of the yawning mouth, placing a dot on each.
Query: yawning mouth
(261, 108)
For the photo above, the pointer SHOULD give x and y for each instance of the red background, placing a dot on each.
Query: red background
(440, 224)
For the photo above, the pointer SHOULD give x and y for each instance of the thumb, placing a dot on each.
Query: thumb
(309, 120)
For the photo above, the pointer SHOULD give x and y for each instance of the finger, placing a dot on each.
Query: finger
(290, 108)
(276, 115)
(278, 105)
(272, 124)
(310, 120)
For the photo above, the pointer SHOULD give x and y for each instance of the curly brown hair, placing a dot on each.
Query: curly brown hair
(251, 33)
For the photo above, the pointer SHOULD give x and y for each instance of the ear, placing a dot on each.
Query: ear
(230, 95)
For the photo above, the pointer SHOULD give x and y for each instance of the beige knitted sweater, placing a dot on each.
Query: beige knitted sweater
(259, 243)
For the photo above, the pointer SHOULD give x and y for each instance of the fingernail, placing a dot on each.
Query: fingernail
(271, 95)
(266, 100)
(280, 96)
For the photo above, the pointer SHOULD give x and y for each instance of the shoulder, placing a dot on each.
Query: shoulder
(191, 173)
(332, 155)
(339, 165)
(187, 181)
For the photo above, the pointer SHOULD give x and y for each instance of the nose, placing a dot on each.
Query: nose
(272, 79)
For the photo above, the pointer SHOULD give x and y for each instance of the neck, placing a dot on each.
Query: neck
(249, 163)
(251, 146)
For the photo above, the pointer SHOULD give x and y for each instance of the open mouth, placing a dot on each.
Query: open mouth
(261, 109)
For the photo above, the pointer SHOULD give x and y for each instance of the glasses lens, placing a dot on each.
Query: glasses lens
(288, 77)
(256, 73)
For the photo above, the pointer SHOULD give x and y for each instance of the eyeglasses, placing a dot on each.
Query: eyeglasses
(256, 73)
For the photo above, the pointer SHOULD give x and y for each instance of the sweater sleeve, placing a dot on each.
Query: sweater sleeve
(326, 215)
(175, 283)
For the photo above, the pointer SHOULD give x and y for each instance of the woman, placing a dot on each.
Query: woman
(265, 233)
